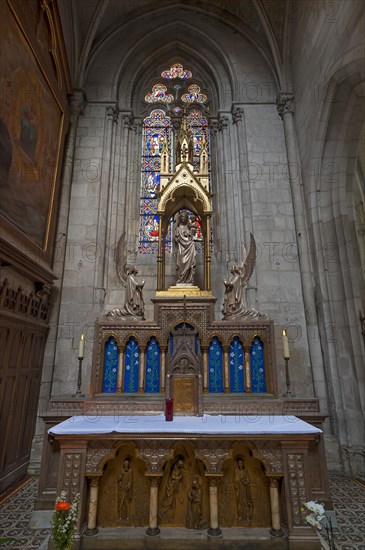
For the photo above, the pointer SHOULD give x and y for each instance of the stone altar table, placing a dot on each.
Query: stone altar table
(211, 471)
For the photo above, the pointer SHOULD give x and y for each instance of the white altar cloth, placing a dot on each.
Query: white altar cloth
(207, 425)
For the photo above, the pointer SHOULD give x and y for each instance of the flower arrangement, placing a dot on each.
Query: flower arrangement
(64, 521)
(314, 518)
(316, 514)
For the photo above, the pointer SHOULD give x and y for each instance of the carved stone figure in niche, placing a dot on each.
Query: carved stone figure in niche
(194, 518)
(133, 303)
(234, 305)
(125, 490)
(186, 253)
(242, 489)
(173, 490)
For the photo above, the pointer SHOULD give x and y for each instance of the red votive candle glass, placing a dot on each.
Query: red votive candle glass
(169, 410)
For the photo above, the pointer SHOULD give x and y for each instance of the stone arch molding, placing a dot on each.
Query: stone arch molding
(337, 264)
(132, 62)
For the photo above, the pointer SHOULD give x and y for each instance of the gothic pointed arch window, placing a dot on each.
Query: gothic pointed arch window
(157, 131)
(174, 96)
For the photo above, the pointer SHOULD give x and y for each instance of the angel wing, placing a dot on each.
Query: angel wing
(121, 260)
(249, 261)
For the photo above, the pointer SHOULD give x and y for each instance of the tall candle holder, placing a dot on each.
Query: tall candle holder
(78, 391)
(288, 392)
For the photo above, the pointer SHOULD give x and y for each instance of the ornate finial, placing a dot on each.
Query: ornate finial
(184, 146)
(164, 168)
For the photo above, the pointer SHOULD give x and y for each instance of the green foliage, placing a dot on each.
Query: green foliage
(64, 522)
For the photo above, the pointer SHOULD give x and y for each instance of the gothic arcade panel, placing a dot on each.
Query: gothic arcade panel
(183, 493)
(244, 494)
(124, 491)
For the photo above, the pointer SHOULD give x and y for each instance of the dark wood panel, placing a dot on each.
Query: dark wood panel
(23, 340)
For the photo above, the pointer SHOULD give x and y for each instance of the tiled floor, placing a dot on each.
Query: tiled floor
(348, 498)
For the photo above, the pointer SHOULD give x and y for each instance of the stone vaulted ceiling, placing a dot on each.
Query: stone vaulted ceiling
(88, 24)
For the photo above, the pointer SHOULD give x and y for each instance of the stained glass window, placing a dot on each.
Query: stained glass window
(194, 95)
(198, 124)
(131, 366)
(257, 358)
(178, 97)
(236, 366)
(176, 71)
(153, 358)
(215, 366)
(110, 372)
(156, 130)
(159, 95)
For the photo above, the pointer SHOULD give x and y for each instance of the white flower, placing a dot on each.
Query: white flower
(127, 367)
(114, 370)
(211, 370)
(240, 367)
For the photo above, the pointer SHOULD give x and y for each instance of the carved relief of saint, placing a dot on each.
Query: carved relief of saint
(195, 509)
(172, 490)
(242, 489)
(125, 490)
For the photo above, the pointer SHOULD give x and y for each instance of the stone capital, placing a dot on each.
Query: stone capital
(237, 115)
(112, 113)
(222, 123)
(77, 102)
(285, 103)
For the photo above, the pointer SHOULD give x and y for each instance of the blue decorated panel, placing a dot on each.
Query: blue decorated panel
(236, 359)
(215, 366)
(153, 362)
(110, 371)
(132, 355)
(257, 359)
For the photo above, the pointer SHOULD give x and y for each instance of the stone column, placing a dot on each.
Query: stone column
(120, 370)
(285, 106)
(207, 257)
(93, 506)
(142, 369)
(226, 368)
(205, 368)
(244, 191)
(276, 529)
(153, 528)
(213, 530)
(163, 368)
(160, 278)
(248, 385)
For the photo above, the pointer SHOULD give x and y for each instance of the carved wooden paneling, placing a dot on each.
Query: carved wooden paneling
(297, 487)
(22, 340)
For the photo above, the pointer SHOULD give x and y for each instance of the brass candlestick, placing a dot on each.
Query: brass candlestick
(78, 391)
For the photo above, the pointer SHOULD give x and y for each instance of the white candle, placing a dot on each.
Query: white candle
(81, 346)
(285, 345)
